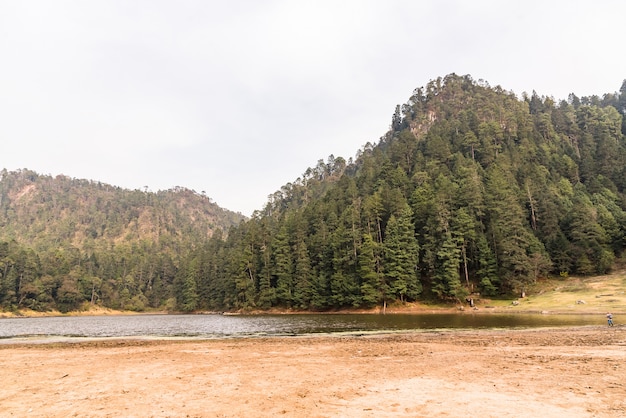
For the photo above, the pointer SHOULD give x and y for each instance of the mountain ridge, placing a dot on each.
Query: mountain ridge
(89, 206)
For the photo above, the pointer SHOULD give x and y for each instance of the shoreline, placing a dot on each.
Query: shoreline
(56, 342)
(393, 311)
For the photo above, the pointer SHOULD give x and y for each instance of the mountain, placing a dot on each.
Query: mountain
(473, 192)
(59, 231)
(37, 210)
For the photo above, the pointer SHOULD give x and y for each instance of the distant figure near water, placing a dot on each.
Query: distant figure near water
(609, 319)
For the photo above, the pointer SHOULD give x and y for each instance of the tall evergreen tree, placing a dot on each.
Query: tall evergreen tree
(401, 253)
(373, 288)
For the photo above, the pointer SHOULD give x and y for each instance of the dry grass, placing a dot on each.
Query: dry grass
(573, 295)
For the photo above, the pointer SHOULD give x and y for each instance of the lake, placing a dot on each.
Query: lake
(239, 326)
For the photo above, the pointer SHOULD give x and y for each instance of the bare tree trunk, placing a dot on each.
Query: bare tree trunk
(531, 201)
(465, 267)
(93, 291)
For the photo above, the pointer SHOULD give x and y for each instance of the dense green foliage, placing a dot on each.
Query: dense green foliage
(65, 241)
(471, 190)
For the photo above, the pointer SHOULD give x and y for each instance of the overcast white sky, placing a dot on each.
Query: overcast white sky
(237, 98)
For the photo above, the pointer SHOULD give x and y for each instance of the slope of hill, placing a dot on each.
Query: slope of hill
(37, 210)
(472, 190)
(63, 241)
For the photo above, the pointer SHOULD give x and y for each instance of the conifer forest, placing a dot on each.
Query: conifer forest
(473, 190)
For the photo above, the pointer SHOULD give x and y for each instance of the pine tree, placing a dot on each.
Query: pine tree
(401, 256)
(510, 236)
(303, 290)
(283, 269)
(447, 281)
(373, 289)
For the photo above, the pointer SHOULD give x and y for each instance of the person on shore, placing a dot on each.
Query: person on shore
(609, 319)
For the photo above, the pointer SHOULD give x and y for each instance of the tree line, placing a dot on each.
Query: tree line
(472, 190)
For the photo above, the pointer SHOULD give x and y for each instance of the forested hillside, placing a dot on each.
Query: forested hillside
(64, 241)
(472, 190)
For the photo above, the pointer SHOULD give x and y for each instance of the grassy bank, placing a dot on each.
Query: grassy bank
(573, 295)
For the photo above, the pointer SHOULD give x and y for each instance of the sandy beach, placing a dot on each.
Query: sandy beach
(573, 372)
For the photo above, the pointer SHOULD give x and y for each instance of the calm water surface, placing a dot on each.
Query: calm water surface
(225, 326)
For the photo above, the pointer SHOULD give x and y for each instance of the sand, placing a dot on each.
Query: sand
(573, 372)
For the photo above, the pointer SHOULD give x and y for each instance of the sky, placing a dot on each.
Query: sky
(236, 98)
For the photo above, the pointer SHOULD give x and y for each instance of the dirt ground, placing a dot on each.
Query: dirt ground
(574, 372)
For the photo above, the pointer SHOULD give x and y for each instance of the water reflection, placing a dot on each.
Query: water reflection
(219, 326)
